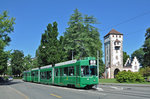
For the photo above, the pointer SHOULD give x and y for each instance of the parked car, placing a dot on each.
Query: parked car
(10, 78)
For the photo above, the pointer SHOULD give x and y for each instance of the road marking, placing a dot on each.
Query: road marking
(20, 93)
(117, 88)
(56, 96)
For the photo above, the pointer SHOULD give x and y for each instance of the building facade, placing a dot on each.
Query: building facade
(113, 44)
(132, 65)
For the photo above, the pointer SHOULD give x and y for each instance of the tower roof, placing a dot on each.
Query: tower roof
(113, 31)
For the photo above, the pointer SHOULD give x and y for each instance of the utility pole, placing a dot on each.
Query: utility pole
(98, 63)
(72, 54)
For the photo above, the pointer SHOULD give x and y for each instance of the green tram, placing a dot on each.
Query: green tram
(80, 74)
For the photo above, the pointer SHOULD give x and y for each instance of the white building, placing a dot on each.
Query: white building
(133, 65)
(113, 44)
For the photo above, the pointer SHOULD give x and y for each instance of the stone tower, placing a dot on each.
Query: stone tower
(113, 44)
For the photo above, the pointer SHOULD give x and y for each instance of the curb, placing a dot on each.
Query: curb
(131, 85)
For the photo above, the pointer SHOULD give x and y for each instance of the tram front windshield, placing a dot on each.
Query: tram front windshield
(88, 70)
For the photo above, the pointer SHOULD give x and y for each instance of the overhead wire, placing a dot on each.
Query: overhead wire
(128, 20)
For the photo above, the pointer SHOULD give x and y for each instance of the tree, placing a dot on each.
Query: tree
(125, 57)
(28, 63)
(139, 54)
(48, 52)
(3, 61)
(17, 61)
(6, 27)
(81, 38)
(63, 55)
(145, 71)
(146, 48)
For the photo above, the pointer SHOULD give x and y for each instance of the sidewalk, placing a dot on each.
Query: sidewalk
(123, 84)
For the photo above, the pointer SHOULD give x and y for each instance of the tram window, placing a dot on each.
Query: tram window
(32, 73)
(56, 72)
(49, 74)
(71, 71)
(36, 73)
(93, 70)
(45, 75)
(66, 71)
(78, 70)
(42, 75)
(84, 70)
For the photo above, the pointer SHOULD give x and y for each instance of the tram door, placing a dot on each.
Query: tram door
(77, 75)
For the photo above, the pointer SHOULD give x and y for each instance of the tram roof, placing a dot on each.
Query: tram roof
(66, 63)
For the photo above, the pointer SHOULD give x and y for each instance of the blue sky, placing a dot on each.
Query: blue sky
(32, 17)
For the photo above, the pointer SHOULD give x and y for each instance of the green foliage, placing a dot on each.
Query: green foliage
(49, 52)
(6, 27)
(81, 38)
(125, 57)
(28, 63)
(101, 68)
(145, 71)
(3, 61)
(17, 62)
(129, 77)
(139, 54)
(146, 48)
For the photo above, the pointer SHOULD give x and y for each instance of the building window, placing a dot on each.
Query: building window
(120, 36)
(116, 35)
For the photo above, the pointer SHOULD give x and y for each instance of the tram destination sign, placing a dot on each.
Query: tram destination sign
(92, 62)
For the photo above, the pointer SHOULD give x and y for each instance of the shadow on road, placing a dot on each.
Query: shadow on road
(9, 82)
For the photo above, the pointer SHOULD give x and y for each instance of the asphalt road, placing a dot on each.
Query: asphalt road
(18, 89)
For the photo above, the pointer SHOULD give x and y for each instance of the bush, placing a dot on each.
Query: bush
(129, 77)
(145, 71)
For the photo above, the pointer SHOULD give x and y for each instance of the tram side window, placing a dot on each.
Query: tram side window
(71, 71)
(66, 71)
(84, 70)
(32, 73)
(49, 74)
(56, 72)
(42, 75)
(36, 73)
(78, 70)
(45, 75)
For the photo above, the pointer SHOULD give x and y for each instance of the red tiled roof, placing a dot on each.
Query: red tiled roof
(113, 31)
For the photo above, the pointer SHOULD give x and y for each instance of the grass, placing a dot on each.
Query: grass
(108, 81)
